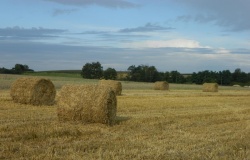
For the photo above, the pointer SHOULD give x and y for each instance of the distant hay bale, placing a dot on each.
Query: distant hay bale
(236, 85)
(35, 91)
(87, 104)
(210, 87)
(115, 85)
(161, 85)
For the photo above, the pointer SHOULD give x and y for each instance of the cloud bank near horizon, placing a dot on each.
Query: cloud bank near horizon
(57, 57)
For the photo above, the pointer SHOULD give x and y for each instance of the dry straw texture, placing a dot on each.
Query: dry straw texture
(210, 87)
(87, 103)
(115, 85)
(35, 91)
(161, 85)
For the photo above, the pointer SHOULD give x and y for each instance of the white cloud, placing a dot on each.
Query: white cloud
(175, 43)
(222, 51)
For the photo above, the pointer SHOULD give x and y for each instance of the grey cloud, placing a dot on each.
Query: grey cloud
(22, 33)
(149, 27)
(58, 12)
(200, 18)
(204, 18)
(115, 36)
(126, 37)
(230, 14)
(104, 3)
(240, 51)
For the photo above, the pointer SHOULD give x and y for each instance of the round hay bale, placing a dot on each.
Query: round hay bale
(87, 104)
(35, 91)
(115, 85)
(236, 85)
(161, 85)
(210, 87)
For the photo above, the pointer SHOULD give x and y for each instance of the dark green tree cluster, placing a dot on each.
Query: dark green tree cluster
(175, 77)
(145, 73)
(95, 70)
(224, 77)
(18, 69)
(110, 73)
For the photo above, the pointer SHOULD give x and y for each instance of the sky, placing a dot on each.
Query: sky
(183, 35)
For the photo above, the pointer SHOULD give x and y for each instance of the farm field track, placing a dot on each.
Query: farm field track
(183, 123)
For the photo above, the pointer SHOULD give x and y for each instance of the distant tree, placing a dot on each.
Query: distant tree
(248, 77)
(188, 79)
(20, 68)
(161, 76)
(151, 74)
(6, 71)
(17, 69)
(135, 73)
(239, 76)
(167, 76)
(210, 76)
(110, 73)
(175, 77)
(224, 77)
(143, 73)
(204, 76)
(92, 70)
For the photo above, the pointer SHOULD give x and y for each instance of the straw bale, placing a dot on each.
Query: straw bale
(210, 87)
(115, 85)
(87, 104)
(35, 91)
(161, 85)
(236, 85)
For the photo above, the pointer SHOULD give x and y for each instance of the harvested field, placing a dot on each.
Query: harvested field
(183, 123)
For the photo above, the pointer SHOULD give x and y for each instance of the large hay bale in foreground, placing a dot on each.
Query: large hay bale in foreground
(35, 91)
(210, 87)
(161, 85)
(115, 85)
(87, 104)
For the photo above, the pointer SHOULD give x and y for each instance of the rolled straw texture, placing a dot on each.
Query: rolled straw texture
(35, 91)
(161, 85)
(87, 104)
(115, 85)
(210, 87)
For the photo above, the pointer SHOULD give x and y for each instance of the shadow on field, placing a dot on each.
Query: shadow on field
(120, 119)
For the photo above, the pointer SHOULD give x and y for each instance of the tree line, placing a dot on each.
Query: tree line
(17, 69)
(146, 73)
